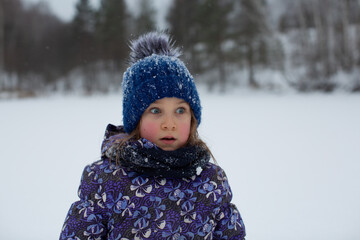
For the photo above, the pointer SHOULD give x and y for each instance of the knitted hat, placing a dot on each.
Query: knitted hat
(156, 72)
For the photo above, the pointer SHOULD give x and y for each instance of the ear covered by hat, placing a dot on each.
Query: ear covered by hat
(156, 72)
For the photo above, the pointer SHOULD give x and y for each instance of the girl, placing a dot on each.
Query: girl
(154, 179)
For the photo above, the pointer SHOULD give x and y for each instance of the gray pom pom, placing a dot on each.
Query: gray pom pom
(152, 43)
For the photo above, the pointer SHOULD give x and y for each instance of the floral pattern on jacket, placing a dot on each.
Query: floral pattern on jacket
(116, 203)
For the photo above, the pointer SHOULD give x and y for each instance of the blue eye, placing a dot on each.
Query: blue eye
(180, 110)
(155, 110)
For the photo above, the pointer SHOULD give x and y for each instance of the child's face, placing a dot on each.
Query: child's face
(166, 122)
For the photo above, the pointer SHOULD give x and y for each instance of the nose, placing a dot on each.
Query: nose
(168, 123)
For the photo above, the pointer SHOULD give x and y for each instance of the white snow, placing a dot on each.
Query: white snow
(293, 161)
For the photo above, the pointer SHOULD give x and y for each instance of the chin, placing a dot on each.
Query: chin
(169, 148)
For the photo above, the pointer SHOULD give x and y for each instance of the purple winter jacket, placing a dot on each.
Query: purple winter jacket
(118, 203)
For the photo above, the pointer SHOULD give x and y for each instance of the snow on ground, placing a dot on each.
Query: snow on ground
(293, 161)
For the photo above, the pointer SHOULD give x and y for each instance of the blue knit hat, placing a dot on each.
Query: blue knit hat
(156, 72)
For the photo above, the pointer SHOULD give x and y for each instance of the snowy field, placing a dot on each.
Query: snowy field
(293, 161)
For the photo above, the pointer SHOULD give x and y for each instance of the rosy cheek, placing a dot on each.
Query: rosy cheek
(184, 131)
(148, 130)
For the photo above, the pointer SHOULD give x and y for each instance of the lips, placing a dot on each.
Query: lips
(168, 139)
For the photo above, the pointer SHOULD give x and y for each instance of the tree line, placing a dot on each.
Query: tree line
(308, 45)
(326, 41)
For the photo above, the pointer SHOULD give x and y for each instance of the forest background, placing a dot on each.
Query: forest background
(279, 117)
(304, 45)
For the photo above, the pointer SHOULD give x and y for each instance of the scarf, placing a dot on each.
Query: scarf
(145, 157)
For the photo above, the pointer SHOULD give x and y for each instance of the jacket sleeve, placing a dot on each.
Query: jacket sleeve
(87, 217)
(229, 224)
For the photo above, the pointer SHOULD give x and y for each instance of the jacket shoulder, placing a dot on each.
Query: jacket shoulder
(214, 171)
(216, 175)
(101, 176)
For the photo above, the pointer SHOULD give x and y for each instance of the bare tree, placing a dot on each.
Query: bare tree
(184, 25)
(2, 40)
(145, 21)
(111, 27)
(343, 51)
(214, 32)
(253, 36)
